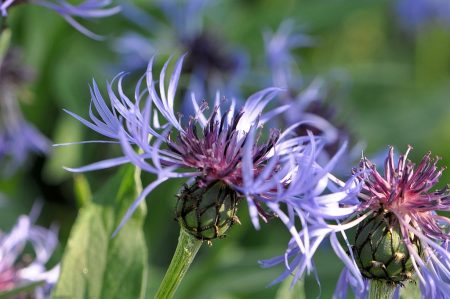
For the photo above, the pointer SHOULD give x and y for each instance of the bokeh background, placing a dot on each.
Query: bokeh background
(389, 79)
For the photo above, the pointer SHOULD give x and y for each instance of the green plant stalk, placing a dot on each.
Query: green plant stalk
(185, 253)
(5, 40)
(381, 290)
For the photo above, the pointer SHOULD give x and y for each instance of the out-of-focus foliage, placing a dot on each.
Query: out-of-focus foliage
(391, 87)
(95, 265)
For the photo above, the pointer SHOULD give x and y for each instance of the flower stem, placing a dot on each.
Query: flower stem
(5, 39)
(185, 252)
(381, 290)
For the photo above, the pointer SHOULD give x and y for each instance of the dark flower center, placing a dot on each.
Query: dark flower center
(217, 149)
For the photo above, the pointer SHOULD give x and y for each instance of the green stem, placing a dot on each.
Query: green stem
(137, 180)
(187, 248)
(3, 24)
(381, 290)
(5, 40)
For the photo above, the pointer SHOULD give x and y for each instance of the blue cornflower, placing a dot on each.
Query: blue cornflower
(17, 137)
(213, 64)
(89, 9)
(414, 14)
(399, 234)
(14, 272)
(223, 147)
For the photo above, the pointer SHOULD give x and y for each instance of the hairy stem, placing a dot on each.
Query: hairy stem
(381, 290)
(185, 252)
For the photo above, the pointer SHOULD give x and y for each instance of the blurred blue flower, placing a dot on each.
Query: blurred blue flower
(212, 63)
(414, 14)
(89, 9)
(19, 268)
(308, 102)
(17, 137)
(278, 47)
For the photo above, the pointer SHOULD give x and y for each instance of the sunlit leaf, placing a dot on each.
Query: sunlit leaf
(95, 265)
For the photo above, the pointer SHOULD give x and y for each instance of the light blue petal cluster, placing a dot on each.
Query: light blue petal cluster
(88, 9)
(414, 14)
(317, 198)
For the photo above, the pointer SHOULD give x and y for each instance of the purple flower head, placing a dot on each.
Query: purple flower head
(226, 146)
(414, 14)
(17, 137)
(399, 234)
(403, 196)
(17, 266)
(89, 9)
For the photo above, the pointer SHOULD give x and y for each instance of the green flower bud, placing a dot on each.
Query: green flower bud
(380, 250)
(207, 212)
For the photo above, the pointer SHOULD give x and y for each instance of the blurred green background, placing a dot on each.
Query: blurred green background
(395, 92)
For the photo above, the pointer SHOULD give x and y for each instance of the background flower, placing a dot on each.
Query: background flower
(89, 9)
(17, 266)
(18, 138)
(213, 63)
(415, 14)
(312, 102)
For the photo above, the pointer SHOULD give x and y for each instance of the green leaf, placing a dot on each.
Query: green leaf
(410, 290)
(66, 130)
(95, 265)
(288, 291)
